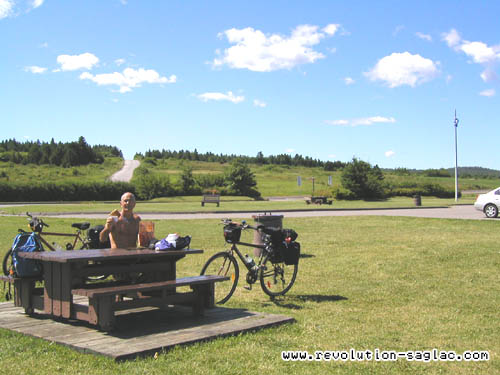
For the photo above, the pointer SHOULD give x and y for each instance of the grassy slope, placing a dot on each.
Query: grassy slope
(275, 180)
(47, 173)
(272, 180)
(366, 283)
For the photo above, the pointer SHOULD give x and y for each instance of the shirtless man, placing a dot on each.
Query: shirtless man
(123, 232)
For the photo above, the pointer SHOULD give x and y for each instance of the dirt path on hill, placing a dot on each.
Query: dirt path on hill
(125, 174)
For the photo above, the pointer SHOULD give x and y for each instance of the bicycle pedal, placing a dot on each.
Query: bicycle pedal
(248, 287)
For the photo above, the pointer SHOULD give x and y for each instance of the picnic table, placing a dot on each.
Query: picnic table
(319, 200)
(65, 275)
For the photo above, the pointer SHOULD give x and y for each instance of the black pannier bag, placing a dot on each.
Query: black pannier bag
(283, 241)
(290, 233)
(95, 243)
(232, 233)
(276, 234)
(290, 253)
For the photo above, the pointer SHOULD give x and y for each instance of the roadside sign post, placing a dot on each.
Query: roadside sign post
(456, 157)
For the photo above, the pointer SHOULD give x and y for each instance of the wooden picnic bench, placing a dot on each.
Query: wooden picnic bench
(210, 198)
(26, 294)
(105, 299)
(65, 274)
(319, 200)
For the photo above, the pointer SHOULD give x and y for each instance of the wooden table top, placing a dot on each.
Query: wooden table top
(66, 256)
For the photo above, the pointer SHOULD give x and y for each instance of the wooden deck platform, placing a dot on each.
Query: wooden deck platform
(139, 332)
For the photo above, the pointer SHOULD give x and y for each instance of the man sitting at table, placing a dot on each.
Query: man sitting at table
(122, 230)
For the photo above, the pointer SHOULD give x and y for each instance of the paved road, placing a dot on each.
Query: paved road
(455, 212)
(125, 174)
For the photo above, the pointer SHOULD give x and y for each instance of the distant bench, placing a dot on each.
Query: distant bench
(210, 198)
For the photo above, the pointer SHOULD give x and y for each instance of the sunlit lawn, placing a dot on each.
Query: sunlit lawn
(193, 204)
(364, 283)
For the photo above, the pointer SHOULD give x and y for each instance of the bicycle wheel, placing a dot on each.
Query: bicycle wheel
(7, 263)
(223, 264)
(277, 278)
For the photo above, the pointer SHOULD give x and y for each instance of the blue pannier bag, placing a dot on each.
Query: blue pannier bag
(26, 242)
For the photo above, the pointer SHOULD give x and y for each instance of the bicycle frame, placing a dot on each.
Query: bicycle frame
(76, 235)
(262, 257)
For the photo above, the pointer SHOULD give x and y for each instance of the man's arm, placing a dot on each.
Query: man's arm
(108, 227)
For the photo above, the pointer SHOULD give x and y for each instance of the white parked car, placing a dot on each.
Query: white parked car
(489, 203)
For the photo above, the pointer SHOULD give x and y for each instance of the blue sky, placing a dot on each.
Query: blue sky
(376, 80)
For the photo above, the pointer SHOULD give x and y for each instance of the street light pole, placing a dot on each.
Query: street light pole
(456, 157)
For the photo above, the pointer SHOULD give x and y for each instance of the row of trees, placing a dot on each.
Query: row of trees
(260, 159)
(237, 179)
(360, 180)
(52, 153)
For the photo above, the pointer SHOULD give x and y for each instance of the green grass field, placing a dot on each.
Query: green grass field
(272, 180)
(11, 173)
(192, 204)
(281, 180)
(364, 283)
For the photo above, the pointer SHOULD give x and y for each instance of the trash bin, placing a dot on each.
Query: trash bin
(417, 199)
(275, 221)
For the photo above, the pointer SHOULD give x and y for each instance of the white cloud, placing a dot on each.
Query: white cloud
(35, 69)
(362, 121)
(259, 103)
(76, 62)
(119, 62)
(424, 36)
(389, 153)
(256, 51)
(128, 79)
(218, 96)
(452, 38)
(331, 29)
(404, 68)
(6, 7)
(348, 81)
(37, 3)
(489, 92)
(480, 52)
(489, 75)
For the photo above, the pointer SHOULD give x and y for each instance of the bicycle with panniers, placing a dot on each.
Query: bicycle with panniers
(84, 237)
(275, 267)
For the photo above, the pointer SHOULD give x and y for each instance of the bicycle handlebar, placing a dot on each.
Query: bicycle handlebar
(35, 221)
(243, 224)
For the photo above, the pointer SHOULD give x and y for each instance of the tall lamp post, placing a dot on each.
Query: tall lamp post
(456, 157)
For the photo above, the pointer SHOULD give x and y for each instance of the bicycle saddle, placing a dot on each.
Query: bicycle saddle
(81, 226)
